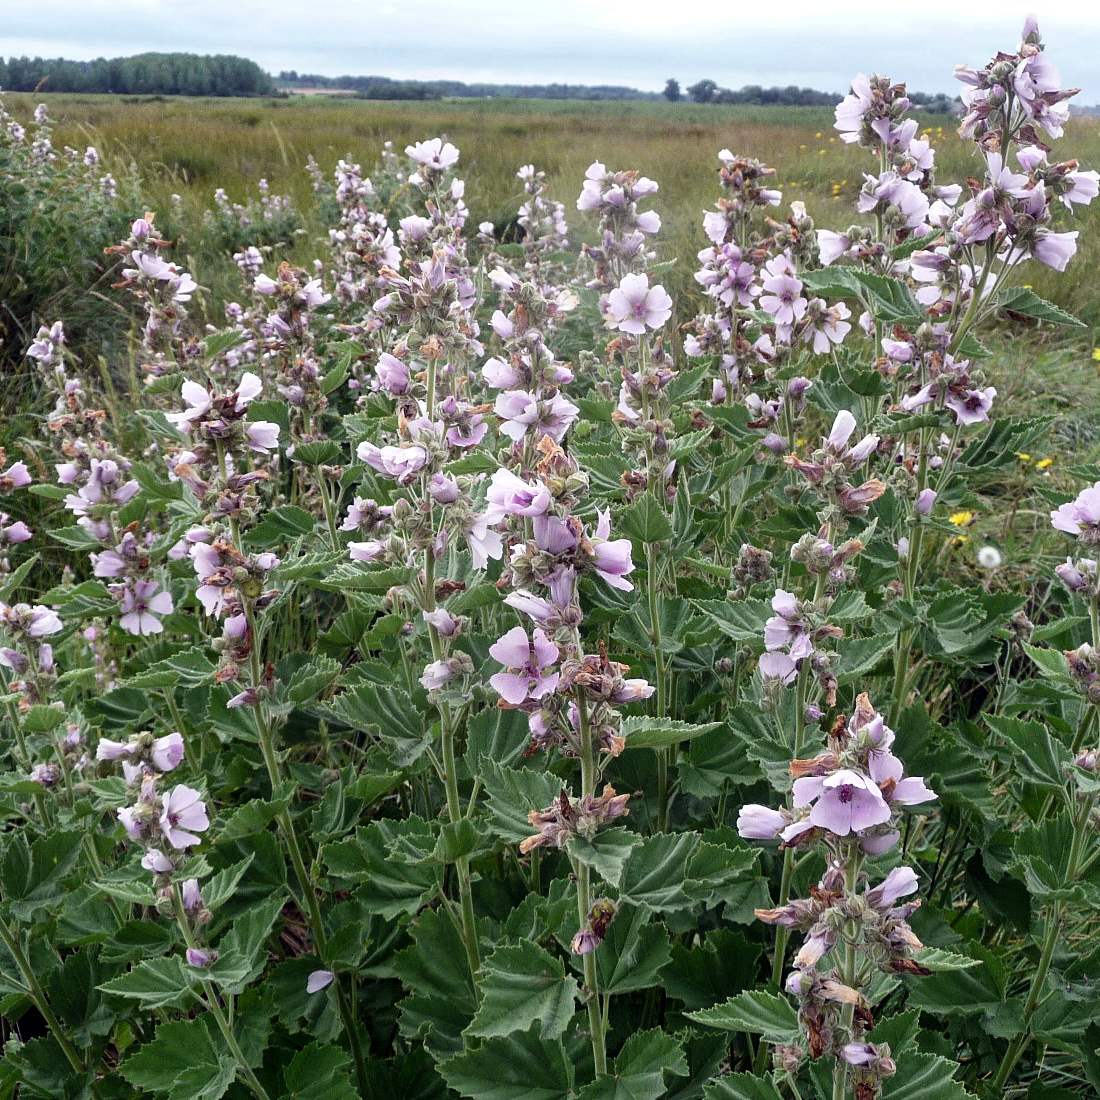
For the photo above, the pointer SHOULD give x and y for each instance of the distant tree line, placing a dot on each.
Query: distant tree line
(705, 91)
(383, 87)
(142, 74)
(708, 91)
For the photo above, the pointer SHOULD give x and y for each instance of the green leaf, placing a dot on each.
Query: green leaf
(336, 377)
(742, 1086)
(754, 1011)
(715, 759)
(741, 620)
(189, 668)
(155, 488)
(923, 1077)
(643, 732)
(241, 955)
(218, 343)
(645, 520)
(255, 816)
(222, 885)
(1027, 303)
(638, 1072)
(724, 964)
(937, 959)
(319, 1071)
(442, 1001)
(520, 1067)
(34, 875)
(606, 852)
(310, 679)
(513, 794)
(279, 526)
(634, 953)
(889, 300)
(155, 983)
(184, 1061)
(999, 445)
(1050, 663)
(17, 576)
(75, 538)
(523, 984)
(969, 992)
(42, 719)
(717, 870)
(1036, 756)
(389, 713)
(390, 887)
(318, 452)
(858, 656)
(655, 872)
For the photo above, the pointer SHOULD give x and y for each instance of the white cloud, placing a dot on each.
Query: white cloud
(640, 42)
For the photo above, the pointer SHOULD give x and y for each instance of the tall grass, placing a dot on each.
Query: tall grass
(191, 146)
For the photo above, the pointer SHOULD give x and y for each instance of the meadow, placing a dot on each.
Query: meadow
(550, 601)
(192, 146)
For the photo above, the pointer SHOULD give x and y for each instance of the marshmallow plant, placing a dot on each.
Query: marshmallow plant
(453, 673)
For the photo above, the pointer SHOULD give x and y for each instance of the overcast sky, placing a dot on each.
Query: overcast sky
(814, 43)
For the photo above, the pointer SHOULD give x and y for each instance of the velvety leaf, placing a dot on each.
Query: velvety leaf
(756, 1012)
(519, 1067)
(521, 985)
(320, 1071)
(1036, 756)
(640, 1068)
(642, 732)
(742, 1086)
(184, 1060)
(655, 873)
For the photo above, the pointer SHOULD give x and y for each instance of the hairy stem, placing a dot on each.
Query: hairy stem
(596, 1023)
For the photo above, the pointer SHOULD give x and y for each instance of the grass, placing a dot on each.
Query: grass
(191, 146)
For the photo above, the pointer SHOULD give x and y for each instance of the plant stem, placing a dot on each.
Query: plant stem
(330, 511)
(1081, 831)
(665, 755)
(447, 723)
(596, 1024)
(212, 1002)
(847, 973)
(310, 904)
(38, 995)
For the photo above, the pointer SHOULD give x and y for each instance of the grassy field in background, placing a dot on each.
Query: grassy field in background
(192, 146)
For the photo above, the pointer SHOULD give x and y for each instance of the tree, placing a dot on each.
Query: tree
(672, 90)
(703, 92)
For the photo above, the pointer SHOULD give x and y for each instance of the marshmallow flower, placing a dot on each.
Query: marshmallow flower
(526, 662)
(843, 803)
(142, 604)
(183, 814)
(633, 306)
(1081, 516)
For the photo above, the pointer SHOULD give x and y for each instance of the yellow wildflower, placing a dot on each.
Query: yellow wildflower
(962, 519)
(1023, 456)
(818, 134)
(1043, 463)
(1096, 355)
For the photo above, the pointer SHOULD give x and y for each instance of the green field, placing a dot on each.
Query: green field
(190, 147)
